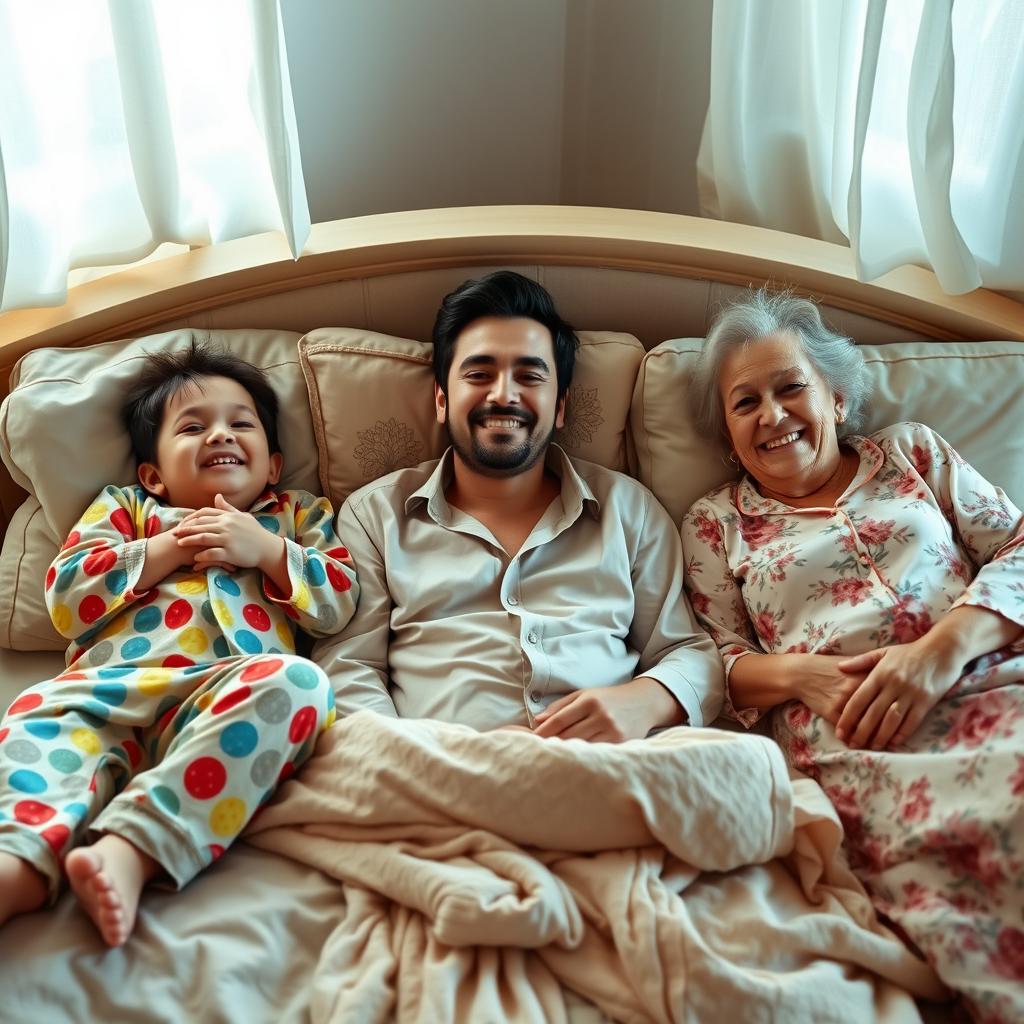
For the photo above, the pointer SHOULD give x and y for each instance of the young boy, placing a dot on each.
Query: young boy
(184, 704)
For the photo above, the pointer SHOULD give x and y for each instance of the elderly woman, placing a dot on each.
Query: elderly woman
(871, 589)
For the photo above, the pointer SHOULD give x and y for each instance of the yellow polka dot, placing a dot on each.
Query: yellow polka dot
(228, 817)
(119, 625)
(154, 681)
(204, 700)
(191, 585)
(61, 616)
(284, 634)
(86, 740)
(301, 599)
(94, 513)
(329, 720)
(223, 612)
(300, 518)
(193, 640)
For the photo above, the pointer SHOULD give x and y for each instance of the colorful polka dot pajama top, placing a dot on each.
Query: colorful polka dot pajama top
(182, 706)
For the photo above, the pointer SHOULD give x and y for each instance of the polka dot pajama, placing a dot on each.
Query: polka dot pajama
(183, 706)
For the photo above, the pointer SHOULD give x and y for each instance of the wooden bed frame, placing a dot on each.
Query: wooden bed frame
(133, 301)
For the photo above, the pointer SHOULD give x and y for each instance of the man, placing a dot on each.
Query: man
(507, 585)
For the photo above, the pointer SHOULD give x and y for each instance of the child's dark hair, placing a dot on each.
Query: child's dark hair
(502, 294)
(166, 373)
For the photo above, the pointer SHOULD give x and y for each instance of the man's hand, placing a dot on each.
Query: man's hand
(903, 683)
(225, 536)
(610, 714)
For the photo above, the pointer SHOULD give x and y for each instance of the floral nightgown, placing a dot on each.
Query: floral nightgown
(935, 826)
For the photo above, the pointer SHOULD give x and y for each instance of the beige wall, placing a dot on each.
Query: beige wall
(411, 104)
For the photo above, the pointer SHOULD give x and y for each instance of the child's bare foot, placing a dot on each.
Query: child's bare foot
(22, 888)
(108, 878)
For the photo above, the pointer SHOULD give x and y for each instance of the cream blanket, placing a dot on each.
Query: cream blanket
(679, 878)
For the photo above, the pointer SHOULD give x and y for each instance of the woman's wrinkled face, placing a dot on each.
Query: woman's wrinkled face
(780, 415)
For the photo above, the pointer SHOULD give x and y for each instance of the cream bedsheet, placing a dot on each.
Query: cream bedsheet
(682, 878)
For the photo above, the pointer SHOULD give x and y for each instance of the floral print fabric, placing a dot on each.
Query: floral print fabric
(935, 827)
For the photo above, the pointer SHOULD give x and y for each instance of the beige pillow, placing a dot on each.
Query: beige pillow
(62, 439)
(372, 398)
(972, 393)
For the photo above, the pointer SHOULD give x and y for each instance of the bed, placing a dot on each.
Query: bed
(343, 331)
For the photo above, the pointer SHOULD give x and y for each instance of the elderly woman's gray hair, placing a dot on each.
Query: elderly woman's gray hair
(836, 357)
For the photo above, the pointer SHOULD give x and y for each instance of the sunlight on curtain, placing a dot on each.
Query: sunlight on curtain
(131, 123)
(896, 126)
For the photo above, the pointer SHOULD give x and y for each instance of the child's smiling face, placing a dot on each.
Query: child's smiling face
(211, 442)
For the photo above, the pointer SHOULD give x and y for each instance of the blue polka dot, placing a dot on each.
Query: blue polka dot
(220, 647)
(110, 693)
(116, 672)
(25, 781)
(248, 642)
(303, 676)
(207, 612)
(314, 572)
(147, 619)
(239, 739)
(94, 713)
(269, 523)
(227, 584)
(274, 650)
(116, 581)
(76, 810)
(136, 647)
(66, 761)
(191, 670)
(330, 697)
(327, 529)
(166, 798)
(65, 578)
(42, 730)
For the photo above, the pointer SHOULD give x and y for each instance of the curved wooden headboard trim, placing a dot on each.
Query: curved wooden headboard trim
(132, 301)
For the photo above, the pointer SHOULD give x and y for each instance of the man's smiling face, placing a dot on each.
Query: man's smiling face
(501, 407)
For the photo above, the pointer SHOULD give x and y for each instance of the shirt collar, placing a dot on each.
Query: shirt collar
(576, 492)
(750, 502)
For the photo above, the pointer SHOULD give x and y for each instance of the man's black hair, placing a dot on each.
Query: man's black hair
(166, 373)
(503, 294)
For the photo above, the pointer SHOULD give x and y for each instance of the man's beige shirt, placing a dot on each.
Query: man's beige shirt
(450, 627)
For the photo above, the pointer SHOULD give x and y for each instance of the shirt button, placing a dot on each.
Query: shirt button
(535, 698)
(532, 638)
(513, 600)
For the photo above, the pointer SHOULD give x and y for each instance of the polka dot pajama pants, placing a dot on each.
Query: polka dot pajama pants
(175, 760)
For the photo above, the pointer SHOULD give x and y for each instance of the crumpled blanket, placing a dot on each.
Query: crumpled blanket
(684, 877)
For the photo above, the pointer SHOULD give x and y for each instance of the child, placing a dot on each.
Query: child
(183, 704)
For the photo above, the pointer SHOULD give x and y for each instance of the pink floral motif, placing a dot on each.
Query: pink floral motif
(849, 591)
(701, 602)
(910, 620)
(757, 531)
(917, 896)
(799, 715)
(917, 803)
(979, 718)
(709, 530)
(966, 849)
(766, 627)
(1008, 960)
(922, 459)
(876, 531)
(802, 756)
(906, 483)
(1016, 780)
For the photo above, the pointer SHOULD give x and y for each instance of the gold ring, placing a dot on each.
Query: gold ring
(896, 707)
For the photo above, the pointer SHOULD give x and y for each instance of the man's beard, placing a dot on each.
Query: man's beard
(500, 460)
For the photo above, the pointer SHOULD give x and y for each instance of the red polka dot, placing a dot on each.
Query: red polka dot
(92, 783)
(205, 777)
(341, 554)
(272, 590)
(338, 579)
(286, 772)
(73, 538)
(123, 523)
(27, 702)
(100, 561)
(134, 752)
(216, 851)
(229, 700)
(91, 608)
(152, 526)
(256, 617)
(261, 669)
(290, 611)
(51, 575)
(69, 676)
(56, 836)
(176, 661)
(303, 724)
(32, 812)
(4, 733)
(178, 614)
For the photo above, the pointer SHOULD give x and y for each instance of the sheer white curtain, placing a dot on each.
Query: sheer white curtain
(897, 126)
(128, 123)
